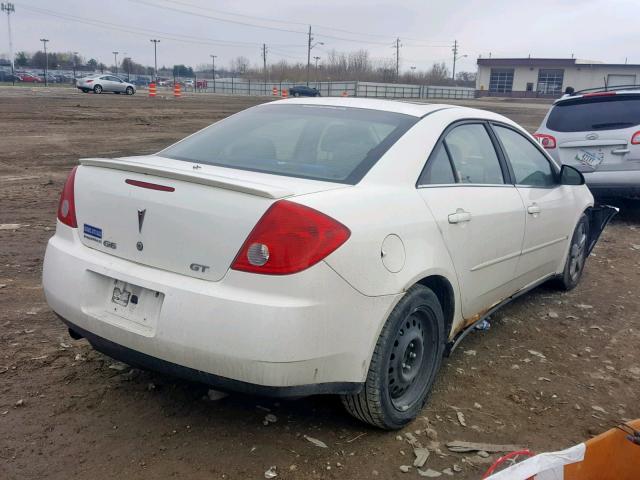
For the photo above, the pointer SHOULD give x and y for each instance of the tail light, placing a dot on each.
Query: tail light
(635, 138)
(289, 238)
(67, 205)
(547, 141)
(88, 81)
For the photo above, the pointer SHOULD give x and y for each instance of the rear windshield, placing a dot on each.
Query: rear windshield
(334, 144)
(595, 113)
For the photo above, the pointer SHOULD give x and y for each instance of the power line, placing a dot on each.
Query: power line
(141, 31)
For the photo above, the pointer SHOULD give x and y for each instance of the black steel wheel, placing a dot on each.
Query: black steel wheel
(576, 257)
(404, 364)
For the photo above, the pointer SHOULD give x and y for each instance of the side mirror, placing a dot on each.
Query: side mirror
(571, 176)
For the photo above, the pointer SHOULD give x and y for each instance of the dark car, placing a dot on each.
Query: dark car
(303, 91)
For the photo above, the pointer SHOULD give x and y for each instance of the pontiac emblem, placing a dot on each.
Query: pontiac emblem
(592, 136)
(141, 219)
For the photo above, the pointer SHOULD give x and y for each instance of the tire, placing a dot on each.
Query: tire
(97, 89)
(577, 256)
(296, 94)
(414, 337)
(85, 90)
(129, 91)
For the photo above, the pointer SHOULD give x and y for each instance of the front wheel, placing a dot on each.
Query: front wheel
(577, 256)
(296, 94)
(129, 90)
(404, 364)
(97, 89)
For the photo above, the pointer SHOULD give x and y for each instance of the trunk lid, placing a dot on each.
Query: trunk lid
(193, 225)
(594, 150)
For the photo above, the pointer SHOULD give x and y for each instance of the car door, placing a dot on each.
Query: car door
(466, 186)
(550, 206)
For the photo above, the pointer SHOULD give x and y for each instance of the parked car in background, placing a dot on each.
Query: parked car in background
(303, 91)
(598, 132)
(105, 83)
(30, 78)
(310, 246)
(9, 77)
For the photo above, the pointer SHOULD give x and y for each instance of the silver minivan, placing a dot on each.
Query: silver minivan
(598, 132)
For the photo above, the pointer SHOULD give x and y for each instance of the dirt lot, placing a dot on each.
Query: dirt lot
(534, 379)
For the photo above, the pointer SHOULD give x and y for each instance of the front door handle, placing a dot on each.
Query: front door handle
(460, 216)
(620, 151)
(533, 209)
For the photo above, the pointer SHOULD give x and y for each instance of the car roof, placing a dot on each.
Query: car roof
(408, 108)
(600, 93)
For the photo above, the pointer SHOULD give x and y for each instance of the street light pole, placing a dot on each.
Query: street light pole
(155, 57)
(115, 61)
(316, 59)
(213, 71)
(46, 61)
(10, 8)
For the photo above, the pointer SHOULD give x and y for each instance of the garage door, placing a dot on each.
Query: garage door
(617, 80)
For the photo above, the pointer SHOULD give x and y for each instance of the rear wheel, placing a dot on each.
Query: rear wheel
(404, 364)
(577, 256)
(97, 89)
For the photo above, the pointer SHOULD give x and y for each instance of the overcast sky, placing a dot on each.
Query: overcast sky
(191, 30)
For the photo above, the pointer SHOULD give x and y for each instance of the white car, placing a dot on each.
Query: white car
(105, 83)
(312, 246)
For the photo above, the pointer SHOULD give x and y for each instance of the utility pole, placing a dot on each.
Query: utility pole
(455, 57)
(155, 57)
(309, 54)
(75, 56)
(264, 64)
(397, 60)
(10, 8)
(213, 71)
(115, 60)
(46, 61)
(309, 47)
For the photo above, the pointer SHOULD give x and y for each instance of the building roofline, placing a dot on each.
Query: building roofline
(549, 62)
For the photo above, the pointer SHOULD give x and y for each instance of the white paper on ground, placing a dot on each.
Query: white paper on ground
(546, 466)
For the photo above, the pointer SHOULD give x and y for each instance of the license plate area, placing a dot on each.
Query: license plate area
(590, 158)
(133, 306)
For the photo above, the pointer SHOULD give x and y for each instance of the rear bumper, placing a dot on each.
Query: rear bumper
(147, 362)
(614, 183)
(289, 335)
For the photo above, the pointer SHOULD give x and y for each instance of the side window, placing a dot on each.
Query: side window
(529, 165)
(473, 155)
(438, 171)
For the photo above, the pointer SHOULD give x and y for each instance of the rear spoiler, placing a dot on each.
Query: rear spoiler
(199, 177)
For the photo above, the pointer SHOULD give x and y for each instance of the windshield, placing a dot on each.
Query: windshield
(595, 113)
(320, 142)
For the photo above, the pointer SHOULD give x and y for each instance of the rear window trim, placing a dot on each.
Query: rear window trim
(356, 175)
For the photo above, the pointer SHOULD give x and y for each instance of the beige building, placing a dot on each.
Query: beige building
(548, 77)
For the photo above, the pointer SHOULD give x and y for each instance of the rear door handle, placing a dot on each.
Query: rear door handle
(533, 209)
(460, 216)
(620, 151)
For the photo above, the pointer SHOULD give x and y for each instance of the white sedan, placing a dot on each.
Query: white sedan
(314, 246)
